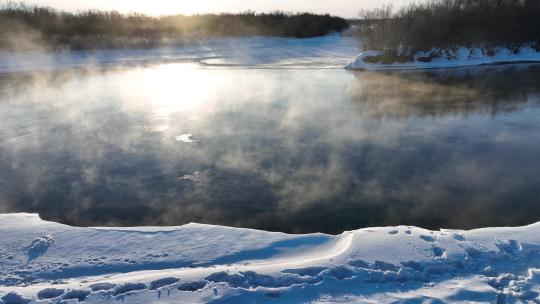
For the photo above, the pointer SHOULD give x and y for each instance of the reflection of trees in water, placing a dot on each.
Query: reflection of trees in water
(12, 84)
(490, 90)
(287, 165)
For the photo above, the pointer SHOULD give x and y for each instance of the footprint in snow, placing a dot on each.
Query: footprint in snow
(50, 293)
(438, 251)
(79, 295)
(458, 237)
(359, 264)
(192, 286)
(163, 282)
(413, 265)
(312, 271)
(102, 286)
(427, 238)
(13, 298)
(511, 247)
(383, 266)
(128, 287)
(39, 246)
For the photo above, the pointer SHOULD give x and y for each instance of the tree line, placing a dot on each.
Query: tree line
(448, 24)
(109, 29)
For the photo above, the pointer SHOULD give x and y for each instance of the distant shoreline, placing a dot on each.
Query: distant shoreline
(27, 28)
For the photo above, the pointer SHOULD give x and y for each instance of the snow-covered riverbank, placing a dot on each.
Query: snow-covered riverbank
(447, 59)
(332, 51)
(40, 261)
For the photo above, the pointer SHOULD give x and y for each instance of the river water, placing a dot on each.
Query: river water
(292, 150)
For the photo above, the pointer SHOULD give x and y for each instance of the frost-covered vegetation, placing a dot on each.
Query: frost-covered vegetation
(449, 25)
(29, 27)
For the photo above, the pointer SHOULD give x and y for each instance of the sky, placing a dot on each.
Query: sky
(344, 8)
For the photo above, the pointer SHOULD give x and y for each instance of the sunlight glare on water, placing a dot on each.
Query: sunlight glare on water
(173, 88)
(300, 150)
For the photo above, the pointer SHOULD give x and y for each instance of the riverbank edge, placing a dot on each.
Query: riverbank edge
(444, 58)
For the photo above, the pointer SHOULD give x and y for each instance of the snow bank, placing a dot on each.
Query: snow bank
(449, 59)
(209, 264)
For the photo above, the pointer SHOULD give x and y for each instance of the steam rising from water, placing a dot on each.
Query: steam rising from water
(294, 150)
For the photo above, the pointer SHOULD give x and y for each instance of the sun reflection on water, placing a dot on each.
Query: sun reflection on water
(176, 88)
(165, 91)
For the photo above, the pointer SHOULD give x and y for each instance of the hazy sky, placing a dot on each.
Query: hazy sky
(346, 8)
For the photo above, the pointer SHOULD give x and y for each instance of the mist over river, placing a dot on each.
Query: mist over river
(292, 150)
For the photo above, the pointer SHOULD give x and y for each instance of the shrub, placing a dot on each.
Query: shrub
(447, 24)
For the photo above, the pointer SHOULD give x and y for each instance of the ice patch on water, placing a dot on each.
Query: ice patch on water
(185, 138)
(197, 177)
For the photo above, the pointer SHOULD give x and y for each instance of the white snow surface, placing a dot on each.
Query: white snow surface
(332, 51)
(46, 262)
(451, 59)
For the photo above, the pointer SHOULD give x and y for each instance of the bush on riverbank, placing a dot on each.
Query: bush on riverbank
(31, 26)
(450, 24)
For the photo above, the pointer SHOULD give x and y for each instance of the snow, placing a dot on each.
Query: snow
(451, 58)
(332, 51)
(198, 263)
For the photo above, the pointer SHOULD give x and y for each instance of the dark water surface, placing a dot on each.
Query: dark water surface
(300, 150)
